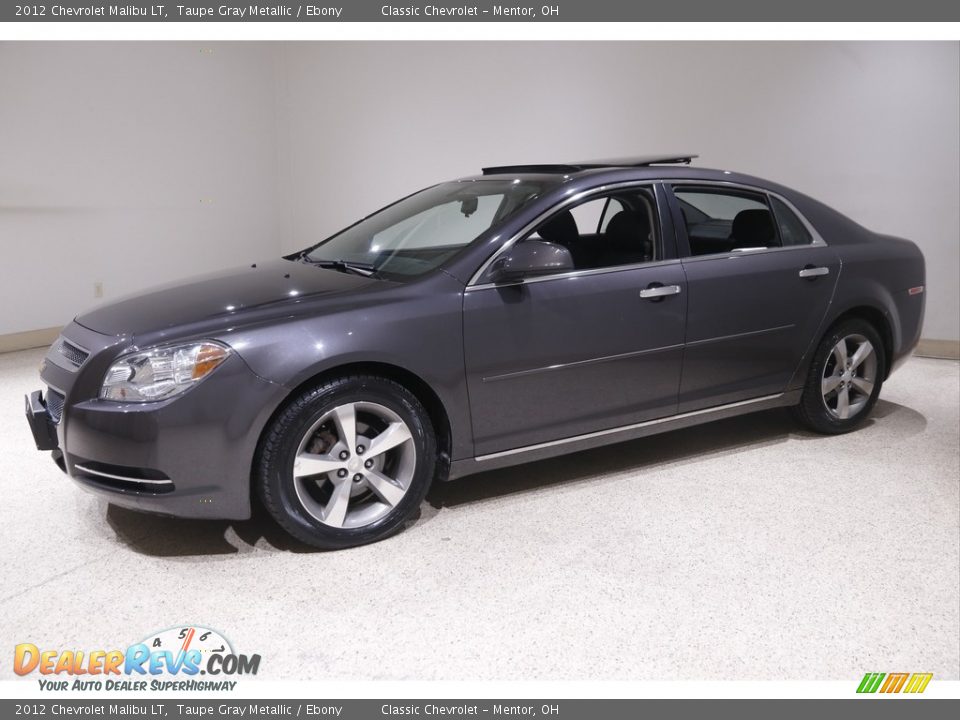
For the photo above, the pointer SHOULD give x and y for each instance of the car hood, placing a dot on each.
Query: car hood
(227, 296)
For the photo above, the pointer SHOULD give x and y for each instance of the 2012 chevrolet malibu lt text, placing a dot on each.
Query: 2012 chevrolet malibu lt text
(515, 315)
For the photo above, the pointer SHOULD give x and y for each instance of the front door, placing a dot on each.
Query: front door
(597, 348)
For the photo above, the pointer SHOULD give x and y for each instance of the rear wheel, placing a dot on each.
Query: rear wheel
(844, 380)
(347, 462)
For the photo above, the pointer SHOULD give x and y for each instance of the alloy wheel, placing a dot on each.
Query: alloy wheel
(849, 376)
(354, 465)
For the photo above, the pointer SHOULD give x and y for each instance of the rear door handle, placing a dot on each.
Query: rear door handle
(659, 291)
(811, 272)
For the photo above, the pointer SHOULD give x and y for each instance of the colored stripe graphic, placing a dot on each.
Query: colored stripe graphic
(918, 682)
(894, 682)
(870, 682)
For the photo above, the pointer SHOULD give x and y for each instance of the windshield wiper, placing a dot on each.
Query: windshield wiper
(357, 268)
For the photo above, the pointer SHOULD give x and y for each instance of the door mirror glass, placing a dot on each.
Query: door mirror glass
(530, 258)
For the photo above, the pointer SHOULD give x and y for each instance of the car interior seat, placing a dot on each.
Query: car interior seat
(627, 239)
(560, 229)
(752, 228)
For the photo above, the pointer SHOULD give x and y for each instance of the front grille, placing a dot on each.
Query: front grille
(54, 404)
(76, 356)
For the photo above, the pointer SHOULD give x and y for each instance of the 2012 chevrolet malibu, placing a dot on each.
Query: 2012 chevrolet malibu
(516, 315)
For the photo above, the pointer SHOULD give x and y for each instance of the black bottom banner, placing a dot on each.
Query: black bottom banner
(874, 708)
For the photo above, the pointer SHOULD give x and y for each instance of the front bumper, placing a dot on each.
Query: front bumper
(41, 424)
(189, 456)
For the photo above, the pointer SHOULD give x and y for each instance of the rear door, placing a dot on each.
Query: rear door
(760, 281)
(558, 356)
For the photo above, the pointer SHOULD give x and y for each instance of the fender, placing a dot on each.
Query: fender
(392, 332)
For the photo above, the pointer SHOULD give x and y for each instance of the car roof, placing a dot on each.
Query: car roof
(576, 167)
(642, 167)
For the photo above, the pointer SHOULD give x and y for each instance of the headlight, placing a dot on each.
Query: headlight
(162, 372)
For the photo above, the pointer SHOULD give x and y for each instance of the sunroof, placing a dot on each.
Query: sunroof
(635, 161)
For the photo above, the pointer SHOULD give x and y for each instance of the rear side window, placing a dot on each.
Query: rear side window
(792, 230)
(722, 220)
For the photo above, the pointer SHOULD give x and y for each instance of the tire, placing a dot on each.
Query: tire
(838, 397)
(332, 496)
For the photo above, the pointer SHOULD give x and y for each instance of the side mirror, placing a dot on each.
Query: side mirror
(530, 259)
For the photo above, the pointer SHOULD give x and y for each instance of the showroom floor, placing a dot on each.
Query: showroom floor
(745, 549)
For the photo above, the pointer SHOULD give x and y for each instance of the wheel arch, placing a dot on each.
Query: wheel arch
(428, 397)
(879, 319)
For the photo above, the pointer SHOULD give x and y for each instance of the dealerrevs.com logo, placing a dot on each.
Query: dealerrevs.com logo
(172, 659)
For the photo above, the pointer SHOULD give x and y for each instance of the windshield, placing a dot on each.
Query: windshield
(419, 233)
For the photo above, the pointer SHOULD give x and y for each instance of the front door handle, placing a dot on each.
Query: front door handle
(811, 272)
(654, 291)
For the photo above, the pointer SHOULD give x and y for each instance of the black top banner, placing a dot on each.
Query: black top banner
(441, 11)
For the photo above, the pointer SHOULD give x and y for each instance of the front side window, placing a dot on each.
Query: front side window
(594, 215)
(606, 231)
(723, 220)
(419, 233)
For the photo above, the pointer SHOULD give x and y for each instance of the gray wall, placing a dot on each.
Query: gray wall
(129, 164)
(135, 163)
(871, 128)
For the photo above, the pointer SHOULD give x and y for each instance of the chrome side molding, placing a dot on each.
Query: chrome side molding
(627, 428)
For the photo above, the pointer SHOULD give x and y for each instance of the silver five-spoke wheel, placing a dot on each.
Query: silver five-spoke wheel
(849, 375)
(354, 465)
(347, 461)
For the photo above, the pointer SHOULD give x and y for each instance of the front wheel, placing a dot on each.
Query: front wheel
(844, 380)
(347, 462)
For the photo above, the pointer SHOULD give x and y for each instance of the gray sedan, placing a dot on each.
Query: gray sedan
(519, 314)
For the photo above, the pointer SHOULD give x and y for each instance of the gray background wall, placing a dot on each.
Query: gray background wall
(129, 164)
(138, 163)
